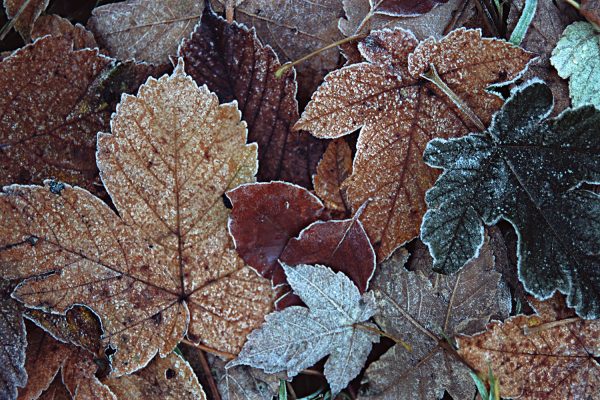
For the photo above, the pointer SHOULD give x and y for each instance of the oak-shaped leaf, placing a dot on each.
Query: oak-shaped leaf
(524, 168)
(56, 25)
(12, 332)
(56, 99)
(577, 57)
(542, 356)
(24, 13)
(399, 111)
(297, 337)
(144, 30)
(426, 310)
(333, 169)
(264, 217)
(234, 64)
(165, 266)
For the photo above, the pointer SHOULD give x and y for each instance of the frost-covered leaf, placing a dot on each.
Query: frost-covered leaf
(525, 169)
(590, 9)
(577, 57)
(24, 14)
(144, 30)
(404, 8)
(425, 309)
(542, 356)
(264, 217)
(333, 169)
(165, 266)
(243, 382)
(232, 62)
(56, 391)
(54, 103)
(12, 332)
(400, 111)
(297, 337)
(56, 25)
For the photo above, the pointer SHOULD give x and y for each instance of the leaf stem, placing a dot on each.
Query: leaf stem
(382, 333)
(549, 325)
(6, 28)
(207, 349)
(573, 3)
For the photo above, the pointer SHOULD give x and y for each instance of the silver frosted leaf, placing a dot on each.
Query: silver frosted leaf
(12, 332)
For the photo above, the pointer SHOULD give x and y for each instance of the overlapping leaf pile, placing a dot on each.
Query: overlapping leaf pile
(409, 212)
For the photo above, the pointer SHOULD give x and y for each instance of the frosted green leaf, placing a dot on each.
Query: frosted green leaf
(577, 57)
(297, 337)
(525, 169)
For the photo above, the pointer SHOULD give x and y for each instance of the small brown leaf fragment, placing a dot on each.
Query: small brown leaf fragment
(333, 169)
(265, 216)
(542, 356)
(56, 391)
(12, 332)
(400, 112)
(405, 8)
(25, 13)
(590, 9)
(233, 63)
(56, 25)
(144, 30)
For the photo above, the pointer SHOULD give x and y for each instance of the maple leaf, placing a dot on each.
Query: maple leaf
(295, 28)
(218, 51)
(333, 169)
(590, 9)
(523, 169)
(165, 266)
(425, 310)
(400, 111)
(576, 57)
(297, 337)
(541, 356)
(144, 30)
(24, 14)
(264, 217)
(12, 332)
(56, 25)
(56, 100)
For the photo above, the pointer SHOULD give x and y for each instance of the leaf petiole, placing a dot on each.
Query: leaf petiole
(382, 333)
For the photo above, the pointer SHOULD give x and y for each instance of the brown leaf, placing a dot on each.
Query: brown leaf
(165, 266)
(144, 30)
(590, 9)
(405, 8)
(333, 169)
(12, 332)
(56, 391)
(24, 13)
(265, 216)
(295, 28)
(56, 25)
(426, 309)
(400, 111)
(56, 100)
(540, 356)
(218, 51)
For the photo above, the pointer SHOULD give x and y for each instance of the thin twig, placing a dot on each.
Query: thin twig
(209, 377)
(207, 349)
(573, 3)
(549, 325)
(14, 19)
(382, 333)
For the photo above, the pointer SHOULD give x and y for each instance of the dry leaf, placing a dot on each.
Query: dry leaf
(425, 309)
(166, 266)
(333, 169)
(404, 8)
(12, 332)
(56, 25)
(144, 30)
(56, 391)
(590, 9)
(400, 111)
(542, 356)
(265, 216)
(232, 62)
(24, 13)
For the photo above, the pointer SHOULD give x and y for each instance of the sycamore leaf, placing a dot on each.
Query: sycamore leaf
(297, 337)
(425, 310)
(264, 217)
(400, 111)
(577, 57)
(24, 13)
(12, 332)
(56, 25)
(333, 169)
(55, 102)
(295, 28)
(541, 356)
(232, 62)
(165, 266)
(524, 169)
(144, 30)
(404, 8)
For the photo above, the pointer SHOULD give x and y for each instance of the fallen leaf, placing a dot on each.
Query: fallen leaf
(56, 25)
(404, 8)
(144, 30)
(400, 111)
(425, 310)
(24, 13)
(524, 169)
(165, 266)
(56, 391)
(295, 28)
(576, 57)
(264, 217)
(55, 102)
(297, 337)
(12, 332)
(218, 51)
(590, 9)
(539, 356)
(333, 169)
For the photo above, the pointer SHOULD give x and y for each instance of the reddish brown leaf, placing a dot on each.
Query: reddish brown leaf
(12, 332)
(56, 25)
(333, 169)
(265, 216)
(218, 51)
(404, 8)
(590, 9)
(56, 391)
(24, 14)
(400, 111)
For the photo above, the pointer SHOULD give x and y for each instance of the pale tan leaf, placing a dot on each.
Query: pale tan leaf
(333, 169)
